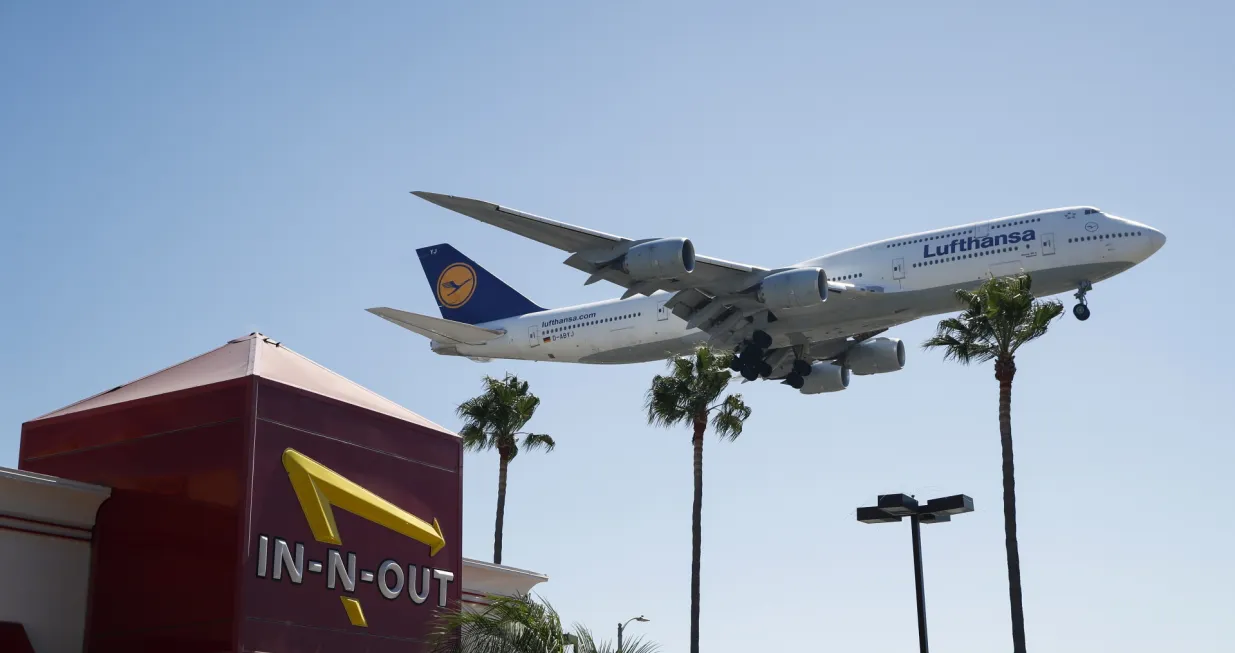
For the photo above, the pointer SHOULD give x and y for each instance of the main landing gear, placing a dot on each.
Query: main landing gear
(797, 377)
(750, 361)
(1081, 310)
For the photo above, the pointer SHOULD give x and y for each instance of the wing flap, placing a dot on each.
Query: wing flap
(435, 328)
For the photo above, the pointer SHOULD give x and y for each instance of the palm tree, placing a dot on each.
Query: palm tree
(689, 396)
(1000, 317)
(494, 420)
(517, 624)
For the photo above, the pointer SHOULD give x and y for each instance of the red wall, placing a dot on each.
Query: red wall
(416, 469)
(198, 477)
(165, 543)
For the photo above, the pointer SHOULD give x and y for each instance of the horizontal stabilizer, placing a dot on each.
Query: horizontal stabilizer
(436, 328)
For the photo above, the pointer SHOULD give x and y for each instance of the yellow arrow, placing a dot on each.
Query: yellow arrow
(318, 488)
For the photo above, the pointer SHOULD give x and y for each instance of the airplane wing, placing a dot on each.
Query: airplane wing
(720, 297)
(591, 249)
(437, 329)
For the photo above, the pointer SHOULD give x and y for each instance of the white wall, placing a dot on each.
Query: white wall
(483, 578)
(45, 530)
(44, 588)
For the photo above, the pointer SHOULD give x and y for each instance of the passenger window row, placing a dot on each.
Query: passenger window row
(600, 321)
(929, 238)
(847, 276)
(1015, 222)
(966, 232)
(1122, 234)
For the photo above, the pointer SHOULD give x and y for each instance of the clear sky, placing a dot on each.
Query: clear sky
(173, 175)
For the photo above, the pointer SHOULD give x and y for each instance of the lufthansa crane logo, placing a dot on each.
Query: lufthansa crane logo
(320, 490)
(456, 284)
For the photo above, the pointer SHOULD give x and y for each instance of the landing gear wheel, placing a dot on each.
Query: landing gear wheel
(761, 339)
(801, 368)
(751, 350)
(750, 358)
(795, 381)
(1081, 310)
(764, 369)
(749, 373)
(735, 364)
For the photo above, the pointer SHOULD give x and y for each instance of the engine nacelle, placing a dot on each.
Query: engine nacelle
(800, 288)
(825, 377)
(876, 356)
(666, 258)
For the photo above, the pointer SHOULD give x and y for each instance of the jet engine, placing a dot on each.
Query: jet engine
(799, 288)
(876, 356)
(825, 377)
(666, 258)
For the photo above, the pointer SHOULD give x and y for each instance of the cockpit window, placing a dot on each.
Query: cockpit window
(1091, 211)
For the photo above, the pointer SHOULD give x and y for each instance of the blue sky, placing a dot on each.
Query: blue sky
(174, 175)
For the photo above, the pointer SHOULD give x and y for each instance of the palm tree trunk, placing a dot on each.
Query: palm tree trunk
(501, 509)
(1005, 369)
(696, 535)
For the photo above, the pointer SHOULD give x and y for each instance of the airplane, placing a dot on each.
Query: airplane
(809, 325)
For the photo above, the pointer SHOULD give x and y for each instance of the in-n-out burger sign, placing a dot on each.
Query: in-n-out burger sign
(340, 570)
(320, 489)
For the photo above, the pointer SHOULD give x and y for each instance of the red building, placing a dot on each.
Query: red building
(247, 499)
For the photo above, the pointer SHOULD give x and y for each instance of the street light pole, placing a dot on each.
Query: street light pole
(915, 527)
(893, 508)
(622, 627)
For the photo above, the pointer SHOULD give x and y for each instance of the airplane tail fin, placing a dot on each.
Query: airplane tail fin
(466, 292)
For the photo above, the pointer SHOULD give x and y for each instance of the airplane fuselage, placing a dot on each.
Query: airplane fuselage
(913, 276)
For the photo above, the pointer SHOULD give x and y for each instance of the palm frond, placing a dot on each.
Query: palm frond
(690, 391)
(667, 401)
(998, 317)
(730, 417)
(1042, 314)
(693, 385)
(492, 419)
(682, 367)
(515, 624)
(533, 441)
(474, 437)
(961, 348)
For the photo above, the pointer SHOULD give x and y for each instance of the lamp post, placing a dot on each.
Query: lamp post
(893, 508)
(622, 627)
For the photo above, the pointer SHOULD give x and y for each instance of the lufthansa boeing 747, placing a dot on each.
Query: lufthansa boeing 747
(810, 324)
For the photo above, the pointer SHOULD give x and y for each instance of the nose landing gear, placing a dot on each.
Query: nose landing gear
(1081, 310)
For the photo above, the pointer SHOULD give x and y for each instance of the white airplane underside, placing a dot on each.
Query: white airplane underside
(810, 324)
